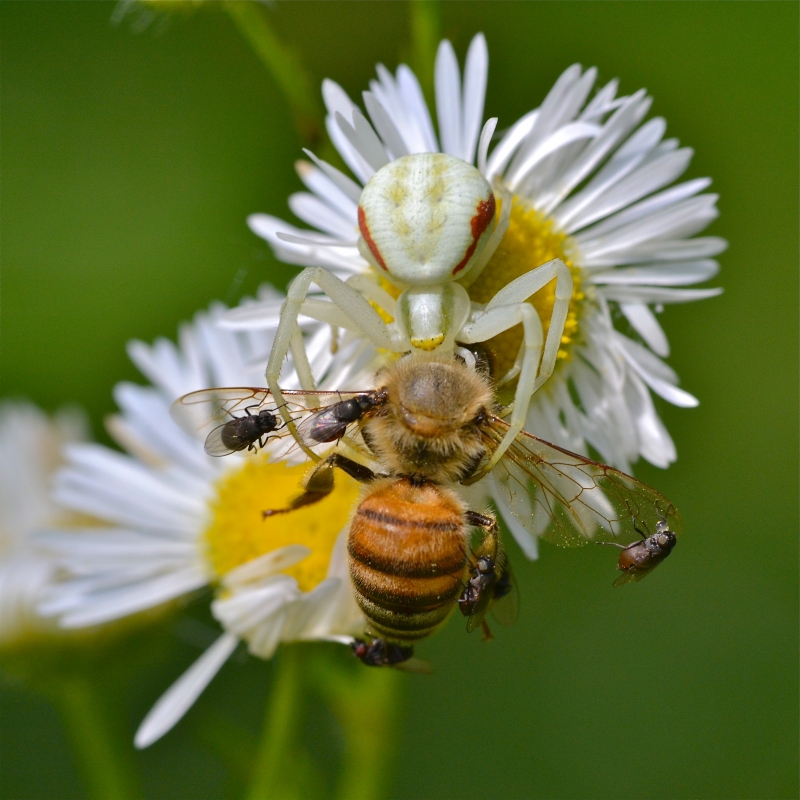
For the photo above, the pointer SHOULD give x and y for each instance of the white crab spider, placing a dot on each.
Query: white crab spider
(428, 225)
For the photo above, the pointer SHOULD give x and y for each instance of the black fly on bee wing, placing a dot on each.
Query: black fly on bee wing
(640, 558)
(571, 500)
(237, 418)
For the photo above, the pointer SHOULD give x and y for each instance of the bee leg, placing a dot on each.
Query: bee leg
(490, 545)
(318, 486)
(320, 483)
(489, 524)
(352, 468)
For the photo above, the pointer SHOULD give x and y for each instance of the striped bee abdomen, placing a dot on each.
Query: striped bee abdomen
(408, 557)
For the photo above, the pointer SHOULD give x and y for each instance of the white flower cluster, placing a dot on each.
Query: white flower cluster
(588, 177)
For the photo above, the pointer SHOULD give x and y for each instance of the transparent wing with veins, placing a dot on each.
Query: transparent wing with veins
(571, 500)
(205, 413)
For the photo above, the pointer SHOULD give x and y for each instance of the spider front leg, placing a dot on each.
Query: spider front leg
(508, 308)
(348, 309)
(501, 319)
(520, 289)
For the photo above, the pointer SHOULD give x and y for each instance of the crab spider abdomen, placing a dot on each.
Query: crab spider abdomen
(425, 219)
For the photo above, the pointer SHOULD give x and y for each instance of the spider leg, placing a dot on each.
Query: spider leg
(348, 308)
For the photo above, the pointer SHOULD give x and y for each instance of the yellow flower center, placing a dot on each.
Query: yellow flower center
(531, 240)
(238, 532)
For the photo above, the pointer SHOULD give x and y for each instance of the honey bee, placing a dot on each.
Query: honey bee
(416, 443)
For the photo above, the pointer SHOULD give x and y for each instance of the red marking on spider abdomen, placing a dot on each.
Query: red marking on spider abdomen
(364, 228)
(479, 223)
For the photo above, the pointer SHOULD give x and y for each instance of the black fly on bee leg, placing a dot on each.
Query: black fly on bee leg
(489, 577)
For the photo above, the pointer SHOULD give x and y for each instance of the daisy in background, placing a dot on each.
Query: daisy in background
(31, 448)
(176, 521)
(591, 184)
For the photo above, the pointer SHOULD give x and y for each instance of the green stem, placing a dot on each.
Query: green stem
(370, 718)
(426, 26)
(105, 762)
(274, 755)
(283, 63)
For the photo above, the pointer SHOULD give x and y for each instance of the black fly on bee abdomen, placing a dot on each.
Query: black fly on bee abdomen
(380, 653)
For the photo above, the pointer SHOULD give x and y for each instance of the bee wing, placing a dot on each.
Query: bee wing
(569, 499)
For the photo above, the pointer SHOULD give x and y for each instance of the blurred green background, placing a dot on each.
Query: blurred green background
(129, 163)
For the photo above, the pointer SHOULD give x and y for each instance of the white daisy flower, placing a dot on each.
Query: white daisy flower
(31, 446)
(177, 520)
(591, 185)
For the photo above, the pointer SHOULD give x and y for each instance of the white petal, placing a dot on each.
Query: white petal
(483, 145)
(364, 139)
(319, 240)
(448, 99)
(680, 220)
(268, 564)
(655, 443)
(649, 362)
(111, 605)
(558, 108)
(511, 140)
(337, 260)
(648, 178)
(304, 615)
(180, 697)
(348, 186)
(621, 163)
(663, 388)
(476, 71)
(313, 211)
(337, 102)
(670, 274)
(336, 99)
(327, 189)
(253, 316)
(617, 127)
(268, 636)
(646, 325)
(565, 135)
(657, 294)
(418, 110)
(385, 127)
